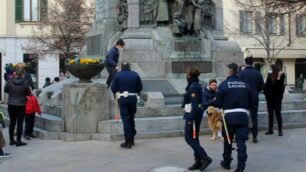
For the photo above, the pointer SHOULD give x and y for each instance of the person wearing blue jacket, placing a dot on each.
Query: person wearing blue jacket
(112, 59)
(126, 87)
(235, 97)
(193, 117)
(255, 81)
(209, 93)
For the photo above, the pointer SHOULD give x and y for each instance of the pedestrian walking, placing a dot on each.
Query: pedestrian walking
(193, 117)
(255, 81)
(235, 97)
(274, 91)
(18, 89)
(112, 59)
(126, 87)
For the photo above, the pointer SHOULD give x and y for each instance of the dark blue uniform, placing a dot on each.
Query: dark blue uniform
(127, 80)
(193, 96)
(233, 94)
(111, 63)
(256, 83)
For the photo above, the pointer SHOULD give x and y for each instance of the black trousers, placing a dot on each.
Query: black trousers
(29, 124)
(274, 107)
(127, 112)
(194, 143)
(241, 135)
(111, 73)
(16, 114)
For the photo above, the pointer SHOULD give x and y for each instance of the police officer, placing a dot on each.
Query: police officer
(193, 117)
(112, 60)
(126, 86)
(235, 97)
(254, 79)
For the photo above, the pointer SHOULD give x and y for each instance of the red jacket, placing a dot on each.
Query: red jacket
(32, 105)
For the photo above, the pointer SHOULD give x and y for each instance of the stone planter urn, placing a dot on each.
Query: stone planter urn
(84, 70)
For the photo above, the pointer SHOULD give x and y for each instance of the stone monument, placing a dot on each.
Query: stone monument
(163, 38)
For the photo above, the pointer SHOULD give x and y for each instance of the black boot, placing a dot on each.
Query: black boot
(20, 143)
(225, 165)
(132, 142)
(196, 165)
(205, 163)
(12, 142)
(269, 132)
(126, 144)
(238, 170)
(280, 133)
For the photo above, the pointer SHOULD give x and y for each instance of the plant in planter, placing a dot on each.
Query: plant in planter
(84, 68)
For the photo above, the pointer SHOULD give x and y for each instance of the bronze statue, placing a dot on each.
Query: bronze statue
(122, 12)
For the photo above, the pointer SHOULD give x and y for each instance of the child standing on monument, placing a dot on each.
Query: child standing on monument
(32, 107)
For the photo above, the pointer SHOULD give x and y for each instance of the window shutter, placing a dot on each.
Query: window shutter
(19, 10)
(241, 22)
(298, 24)
(43, 9)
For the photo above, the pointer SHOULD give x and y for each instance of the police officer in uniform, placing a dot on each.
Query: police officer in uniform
(126, 87)
(193, 117)
(254, 79)
(235, 97)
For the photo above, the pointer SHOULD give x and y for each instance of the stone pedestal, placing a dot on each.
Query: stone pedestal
(83, 106)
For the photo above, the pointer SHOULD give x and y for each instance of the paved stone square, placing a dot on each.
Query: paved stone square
(271, 154)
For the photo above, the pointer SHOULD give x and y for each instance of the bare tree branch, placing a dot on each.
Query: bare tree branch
(64, 29)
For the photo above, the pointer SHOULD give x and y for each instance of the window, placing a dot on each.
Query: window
(246, 21)
(30, 10)
(273, 25)
(300, 25)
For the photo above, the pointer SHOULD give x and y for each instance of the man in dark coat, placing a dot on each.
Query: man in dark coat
(209, 93)
(112, 59)
(126, 87)
(256, 83)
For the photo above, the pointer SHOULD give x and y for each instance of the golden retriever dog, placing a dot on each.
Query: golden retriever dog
(214, 122)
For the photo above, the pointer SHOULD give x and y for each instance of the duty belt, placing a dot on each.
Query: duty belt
(125, 94)
(237, 110)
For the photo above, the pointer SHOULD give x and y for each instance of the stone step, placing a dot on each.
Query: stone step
(161, 127)
(54, 110)
(50, 122)
(176, 123)
(292, 105)
(176, 110)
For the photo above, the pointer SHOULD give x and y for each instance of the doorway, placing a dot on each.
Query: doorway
(300, 72)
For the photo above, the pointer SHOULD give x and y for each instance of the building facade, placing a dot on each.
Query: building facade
(17, 21)
(287, 34)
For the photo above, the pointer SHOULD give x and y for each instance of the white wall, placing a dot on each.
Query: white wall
(13, 53)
